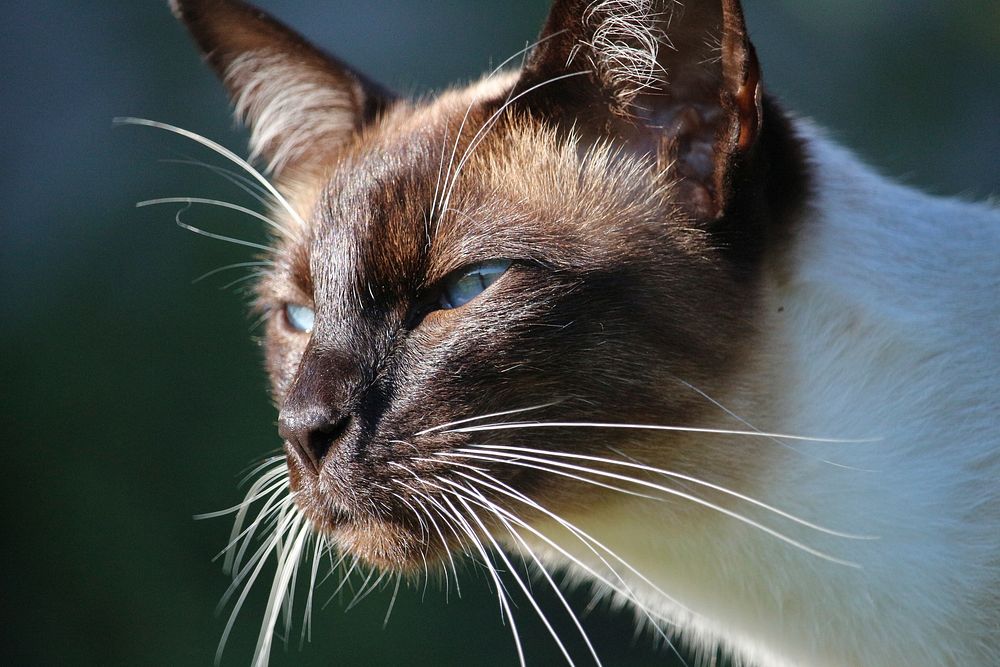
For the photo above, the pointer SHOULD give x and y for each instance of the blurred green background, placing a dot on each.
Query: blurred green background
(133, 397)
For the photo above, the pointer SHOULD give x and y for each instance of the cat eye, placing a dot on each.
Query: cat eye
(299, 317)
(463, 286)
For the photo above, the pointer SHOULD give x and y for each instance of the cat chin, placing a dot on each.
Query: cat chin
(369, 533)
(381, 543)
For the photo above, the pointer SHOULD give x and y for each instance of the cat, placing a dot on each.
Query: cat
(617, 312)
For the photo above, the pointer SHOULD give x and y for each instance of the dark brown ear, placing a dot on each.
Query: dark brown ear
(676, 81)
(296, 100)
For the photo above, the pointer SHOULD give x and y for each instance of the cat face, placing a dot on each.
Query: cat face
(461, 284)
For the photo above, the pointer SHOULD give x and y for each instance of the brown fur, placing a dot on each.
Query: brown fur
(626, 282)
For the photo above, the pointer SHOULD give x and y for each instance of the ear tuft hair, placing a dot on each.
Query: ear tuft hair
(624, 47)
(676, 82)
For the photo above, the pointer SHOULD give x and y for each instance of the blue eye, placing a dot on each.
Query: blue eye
(462, 287)
(299, 317)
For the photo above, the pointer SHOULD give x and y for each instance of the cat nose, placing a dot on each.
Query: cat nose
(311, 430)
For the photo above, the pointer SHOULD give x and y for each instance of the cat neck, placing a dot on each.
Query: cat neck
(873, 336)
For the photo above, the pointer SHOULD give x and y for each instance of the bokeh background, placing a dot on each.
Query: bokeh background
(132, 396)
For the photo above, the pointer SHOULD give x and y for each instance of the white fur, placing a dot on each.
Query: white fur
(286, 109)
(625, 46)
(888, 331)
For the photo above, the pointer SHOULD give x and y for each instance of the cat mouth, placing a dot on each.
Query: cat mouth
(380, 527)
(383, 541)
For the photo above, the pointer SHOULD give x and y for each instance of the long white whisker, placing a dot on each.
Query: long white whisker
(444, 545)
(242, 279)
(244, 538)
(587, 540)
(239, 574)
(461, 497)
(288, 564)
(491, 569)
(233, 559)
(367, 588)
(487, 416)
(392, 600)
(218, 237)
(213, 202)
(448, 523)
(230, 267)
(255, 468)
(610, 487)
(224, 152)
(269, 546)
(307, 615)
(250, 499)
(247, 185)
(343, 581)
(487, 126)
(654, 427)
(692, 498)
(455, 521)
(675, 475)
(465, 118)
(496, 510)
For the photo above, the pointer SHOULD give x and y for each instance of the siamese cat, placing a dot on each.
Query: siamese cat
(611, 310)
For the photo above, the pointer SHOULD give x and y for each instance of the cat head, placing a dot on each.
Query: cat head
(460, 283)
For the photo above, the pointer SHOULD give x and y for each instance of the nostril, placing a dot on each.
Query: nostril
(321, 439)
(312, 432)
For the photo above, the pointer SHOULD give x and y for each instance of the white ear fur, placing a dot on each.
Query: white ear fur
(287, 110)
(677, 82)
(625, 46)
(297, 101)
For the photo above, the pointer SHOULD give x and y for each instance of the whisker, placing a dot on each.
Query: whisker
(495, 510)
(757, 430)
(392, 600)
(213, 202)
(288, 564)
(586, 539)
(218, 237)
(242, 279)
(254, 468)
(478, 137)
(343, 581)
(239, 574)
(230, 267)
(224, 152)
(245, 184)
(461, 497)
(468, 110)
(487, 416)
(656, 427)
(306, 634)
(244, 538)
(502, 594)
(455, 520)
(610, 487)
(233, 559)
(694, 499)
(269, 545)
(250, 499)
(675, 475)
(589, 543)
(444, 542)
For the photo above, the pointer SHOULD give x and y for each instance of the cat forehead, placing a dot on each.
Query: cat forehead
(433, 187)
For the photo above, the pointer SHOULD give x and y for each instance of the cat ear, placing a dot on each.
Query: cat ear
(676, 81)
(296, 100)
